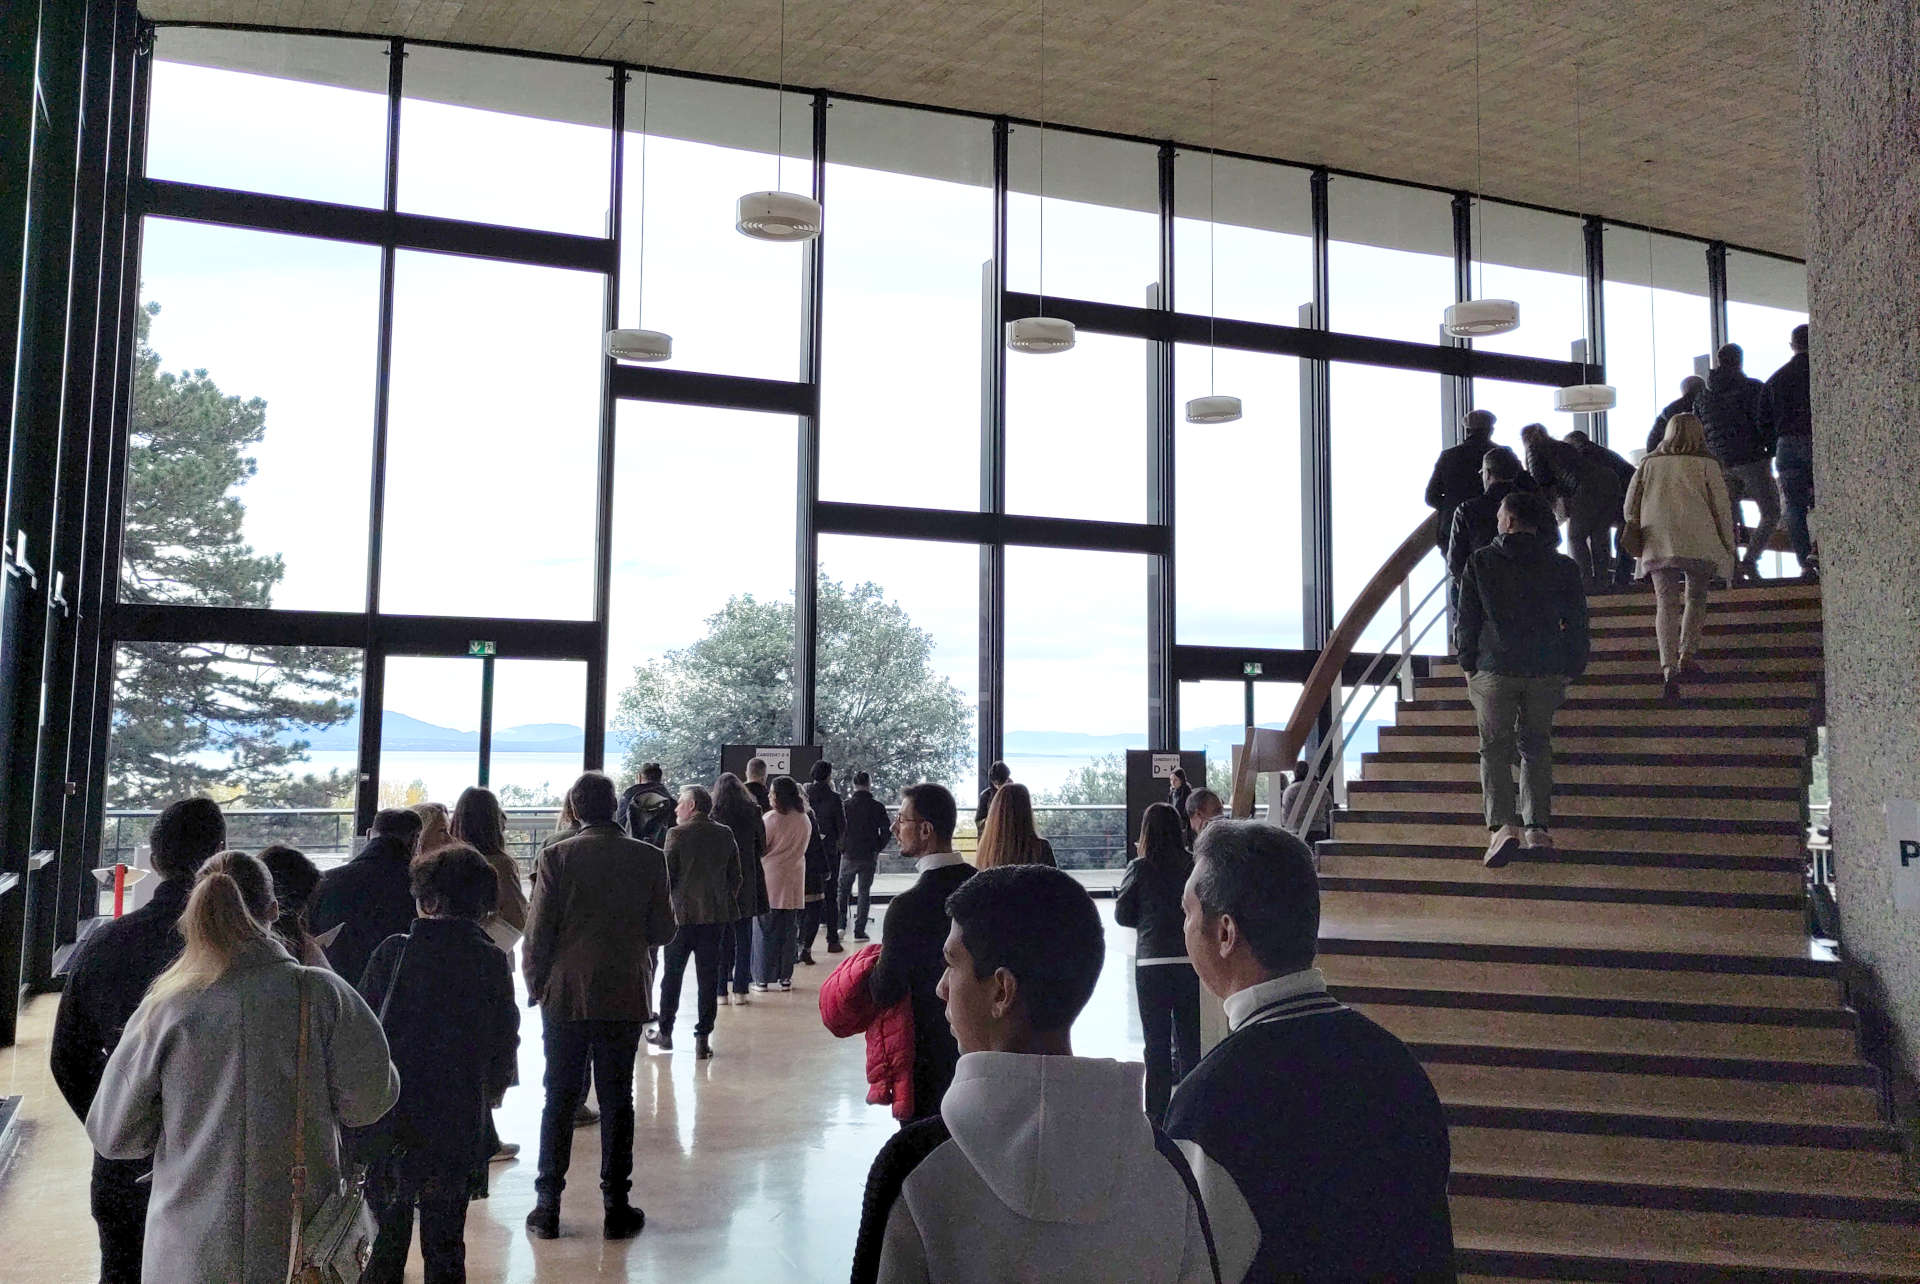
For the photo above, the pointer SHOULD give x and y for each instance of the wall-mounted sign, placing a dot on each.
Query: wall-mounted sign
(1164, 765)
(779, 760)
(1903, 846)
(480, 649)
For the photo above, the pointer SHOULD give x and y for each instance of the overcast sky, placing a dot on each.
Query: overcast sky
(496, 375)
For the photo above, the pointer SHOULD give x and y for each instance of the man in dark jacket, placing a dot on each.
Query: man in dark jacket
(1318, 1141)
(647, 808)
(1788, 406)
(444, 992)
(370, 897)
(1741, 438)
(109, 976)
(868, 830)
(1521, 637)
(704, 879)
(914, 936)
(997, 775)
(1690, 389)
(1456, 474)
(1611, 475)
(1476, 523)
(830, 819)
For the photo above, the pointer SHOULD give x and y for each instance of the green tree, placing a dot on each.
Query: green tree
(209, 718)
(879, 704)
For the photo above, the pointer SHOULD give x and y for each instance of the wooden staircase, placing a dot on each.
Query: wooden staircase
(1650, 1072)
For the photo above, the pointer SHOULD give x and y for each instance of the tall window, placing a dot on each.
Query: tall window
(731, 303)
(251, 439)
(1766, 299)
(1098, 236)
(908, 267)
(430, 731)
(523, 142)
(1390, 260)
(287, 115)
(1538, 260)
(491, 462)
(1077, 429)
(1658, 325)
(1254, 261)
(1386, 433)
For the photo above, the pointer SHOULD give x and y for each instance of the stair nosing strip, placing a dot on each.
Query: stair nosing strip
(1613, 1268)
(1678, 897)
(1685, 1197)
(1587, 956)
(1699, 1066)
(1622, 1008)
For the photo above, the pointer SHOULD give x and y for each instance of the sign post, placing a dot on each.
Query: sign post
(1903, 848)
(1149, 772)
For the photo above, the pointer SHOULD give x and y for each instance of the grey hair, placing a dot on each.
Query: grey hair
(1264, 877)
(702, 800)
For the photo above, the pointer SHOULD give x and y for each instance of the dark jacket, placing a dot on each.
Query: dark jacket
(1455, 480)
(646, 812)
(1177, 796)
(1611, 473)
(1149, 902)
(1476, 523)
(913, 941)
(1730, 408)
(1554, 467)
(829, 815)
(1677, 406)
(370, 897)
(985, 805)
(1597, 500)
(703, 872)
(599, 902)
(1788, 404)
(452, 1029)
(106, 982)
(1334, 1136)
(1523, 611)
(761, 795)
(750, 839)
(868, 828)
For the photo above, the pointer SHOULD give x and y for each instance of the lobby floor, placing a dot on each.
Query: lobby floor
(750, 1166)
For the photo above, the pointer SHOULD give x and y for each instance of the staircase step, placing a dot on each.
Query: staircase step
(1511, 943)
(1562, 1183)
(1779, 594)
(1750, 615)
(1716, 712)
(1645, 685)
(1480, 929)
(1348, 963)
(1611, 1007)
(1579, 798)
(1432, 1022)
(1725, 646)
(1783, 624)
(1593, 769)
(1494, 885)
(1543, 1238)
(1819, 1103)
(1803, 662)
(1607, 1061)
(1694, 743)
(1626, 833)
(1563, 876)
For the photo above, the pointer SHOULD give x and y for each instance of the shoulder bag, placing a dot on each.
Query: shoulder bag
(334, 1245)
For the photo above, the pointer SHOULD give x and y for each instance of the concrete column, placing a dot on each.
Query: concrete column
(1863, 113)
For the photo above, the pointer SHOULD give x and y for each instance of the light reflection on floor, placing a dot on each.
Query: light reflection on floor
(750, 1166)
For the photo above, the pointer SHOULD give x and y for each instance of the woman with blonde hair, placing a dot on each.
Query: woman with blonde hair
(479, 822)
(1009, 837)
(1679, 524)
(436, 827)
(209, 1080)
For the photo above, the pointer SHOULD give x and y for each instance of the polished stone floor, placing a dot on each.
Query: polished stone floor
(749, 1166)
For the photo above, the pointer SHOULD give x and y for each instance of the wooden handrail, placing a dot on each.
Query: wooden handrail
(1327, 669)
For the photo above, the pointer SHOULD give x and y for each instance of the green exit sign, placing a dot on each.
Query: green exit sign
(1251, 668)
(480, 648)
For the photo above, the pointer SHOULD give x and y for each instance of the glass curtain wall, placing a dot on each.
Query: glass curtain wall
(1659, 325)
(1539, 260)
(1390, 261)
(1766, 299)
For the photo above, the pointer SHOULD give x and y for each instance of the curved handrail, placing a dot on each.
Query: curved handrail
(1333, 658)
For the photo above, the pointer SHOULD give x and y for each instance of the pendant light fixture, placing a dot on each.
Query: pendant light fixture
(1479, 317)
(637, 344)
(778, 215)
(1041, 334)
(1582, 398)
(1212, 408)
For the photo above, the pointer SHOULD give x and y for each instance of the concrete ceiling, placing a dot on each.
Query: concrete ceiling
(1709, 90)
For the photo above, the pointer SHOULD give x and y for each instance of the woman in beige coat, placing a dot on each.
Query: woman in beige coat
(1679, 506)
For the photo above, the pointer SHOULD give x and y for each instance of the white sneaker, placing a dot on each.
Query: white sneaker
(723, 998)
(1537, 837)
(1500, 849)
(786, 985)
(740, 1000)
(759, 987)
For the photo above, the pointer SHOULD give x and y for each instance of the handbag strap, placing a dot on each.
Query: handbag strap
(298, 1173)
(393, 980)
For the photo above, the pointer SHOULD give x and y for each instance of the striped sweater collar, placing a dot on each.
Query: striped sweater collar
(1290, 990)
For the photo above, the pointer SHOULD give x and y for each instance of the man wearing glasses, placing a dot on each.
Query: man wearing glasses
(914, 934)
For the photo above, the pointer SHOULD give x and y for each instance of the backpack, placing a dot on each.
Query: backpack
(649, 817)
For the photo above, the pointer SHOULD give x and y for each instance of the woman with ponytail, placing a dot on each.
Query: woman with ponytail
(204, 1083)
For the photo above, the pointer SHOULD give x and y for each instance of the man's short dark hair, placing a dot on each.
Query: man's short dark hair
(1264, 877)
(185, 834)
(1730, 354)
(593, 798)
(935, 806)
(702, 800)
(650, 773)
(1204, 799)
(822, 772)
(1500, 463)
(1040, 925)
(457, 880)
(1478, 423)
(999, 773)
(401, 823)
(1531, 511)
(1798, 339)
(1578, 438)
(861, 780)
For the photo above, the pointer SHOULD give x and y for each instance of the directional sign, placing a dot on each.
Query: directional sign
(480, 649)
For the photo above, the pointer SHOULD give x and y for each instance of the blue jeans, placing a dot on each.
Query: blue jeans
(1793, 456)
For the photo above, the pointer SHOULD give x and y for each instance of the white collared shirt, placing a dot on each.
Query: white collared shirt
(938, 860)
(1242, 1004)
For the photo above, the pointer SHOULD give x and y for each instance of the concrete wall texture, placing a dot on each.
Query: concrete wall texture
(1863, 111)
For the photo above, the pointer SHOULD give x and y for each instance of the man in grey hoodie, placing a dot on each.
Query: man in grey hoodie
(1040, 1164)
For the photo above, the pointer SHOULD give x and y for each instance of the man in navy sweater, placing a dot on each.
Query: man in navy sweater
(1317, 1139)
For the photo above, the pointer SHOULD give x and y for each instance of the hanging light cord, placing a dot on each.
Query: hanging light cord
(1043, 157)
(1479, 163)
(646, 75)
(1653, 313)
(1213, 311)
(780, 108)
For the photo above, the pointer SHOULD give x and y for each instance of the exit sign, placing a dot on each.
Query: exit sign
(1251, 668)
(480, 648)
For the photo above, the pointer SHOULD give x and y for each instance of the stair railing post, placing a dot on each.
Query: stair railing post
(1406, 639)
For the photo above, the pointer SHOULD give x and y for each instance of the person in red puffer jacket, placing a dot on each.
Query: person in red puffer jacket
(848, 1009)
